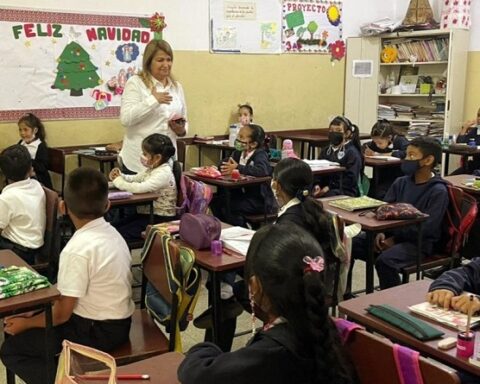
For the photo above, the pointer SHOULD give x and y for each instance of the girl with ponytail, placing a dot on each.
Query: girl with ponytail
(299, 343)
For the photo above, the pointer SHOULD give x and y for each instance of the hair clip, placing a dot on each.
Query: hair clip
(313, 265)
(305, 192)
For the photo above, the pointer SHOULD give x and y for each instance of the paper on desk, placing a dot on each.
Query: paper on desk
(99, 148)
(237, 239)
(383, 157)
(320, 163)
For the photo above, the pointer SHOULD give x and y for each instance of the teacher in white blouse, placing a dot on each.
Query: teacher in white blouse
(152, 102)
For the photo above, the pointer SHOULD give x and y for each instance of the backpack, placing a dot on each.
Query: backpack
(183, 280)
(461, 214)
(194, 198)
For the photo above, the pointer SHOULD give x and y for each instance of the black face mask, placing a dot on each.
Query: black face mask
(335, 138)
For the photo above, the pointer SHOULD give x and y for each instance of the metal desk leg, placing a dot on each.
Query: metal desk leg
(419, 249)
(370, 262)
(341, 182)
(102, 167)
(216, 307)
(151, 213)
(302, 149)
(199, 155)
(447, 160)
(375, 177)
(10, 377)
(50, 354)
(79, 161)
(228, 209)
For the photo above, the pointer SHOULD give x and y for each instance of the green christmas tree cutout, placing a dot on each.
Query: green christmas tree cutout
(75, 71)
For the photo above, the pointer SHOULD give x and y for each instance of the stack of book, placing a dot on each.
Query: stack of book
(386, 111)
(422, 49)
(418, 128)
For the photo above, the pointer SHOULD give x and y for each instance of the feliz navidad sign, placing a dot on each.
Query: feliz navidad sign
(69, 65)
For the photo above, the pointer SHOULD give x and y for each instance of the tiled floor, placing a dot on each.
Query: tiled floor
(194, 335)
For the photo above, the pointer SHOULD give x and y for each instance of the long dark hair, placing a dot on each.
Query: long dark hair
(382, 128)
(257, 135)
(348, 126)
(275, 258)
(32, 121)
(296, 178)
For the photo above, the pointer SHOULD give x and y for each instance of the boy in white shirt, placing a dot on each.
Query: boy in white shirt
(94, 280)
(22, 205)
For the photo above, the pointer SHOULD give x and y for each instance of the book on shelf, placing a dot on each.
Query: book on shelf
(422, 49)
(408, 83)
(448, 317)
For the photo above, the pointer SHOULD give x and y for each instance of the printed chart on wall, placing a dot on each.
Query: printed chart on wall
(245, 26)
(64, 65)
(313, 26)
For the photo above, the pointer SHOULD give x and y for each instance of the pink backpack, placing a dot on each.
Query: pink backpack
(194, 198)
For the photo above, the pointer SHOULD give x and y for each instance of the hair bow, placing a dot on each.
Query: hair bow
(316, 264)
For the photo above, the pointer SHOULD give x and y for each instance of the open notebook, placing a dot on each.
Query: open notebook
(237, 239)
(383, 157)
(450, 318)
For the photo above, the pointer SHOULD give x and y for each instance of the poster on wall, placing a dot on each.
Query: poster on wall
(245, 26)
(313, 26)
(62, 65)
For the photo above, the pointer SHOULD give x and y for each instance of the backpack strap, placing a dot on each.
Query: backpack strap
(408, 365)
(345, 328)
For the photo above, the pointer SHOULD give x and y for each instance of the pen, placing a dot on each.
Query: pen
(469, 318)
(118, 377)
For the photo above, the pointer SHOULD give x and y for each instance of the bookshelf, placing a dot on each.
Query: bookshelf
(435, 56)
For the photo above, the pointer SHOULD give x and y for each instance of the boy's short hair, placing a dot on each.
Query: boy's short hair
(86, 193)
(428, 146)
(15, 162)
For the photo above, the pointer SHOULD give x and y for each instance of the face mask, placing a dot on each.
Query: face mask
(144, 161)
(335, 138)
(239, 146)
(409, 167)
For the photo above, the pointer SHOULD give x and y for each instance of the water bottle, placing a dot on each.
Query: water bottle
(472, 142)
(232, 135)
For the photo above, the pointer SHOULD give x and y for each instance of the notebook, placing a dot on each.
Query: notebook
(356, 203)
(450, 318)
(383, 157)
(237, 239)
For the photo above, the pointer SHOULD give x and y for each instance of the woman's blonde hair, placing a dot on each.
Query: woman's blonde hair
(149, 53)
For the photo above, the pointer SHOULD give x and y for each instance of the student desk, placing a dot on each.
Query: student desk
(464, 152)
(162, 370)
(458, 180)
(101, 159)
(313, 137)
(27, 302)
(227, 184)
(137, 199)
(372, 227)
(223, 148)
(401, 297)
(376, 164)
(325, 171)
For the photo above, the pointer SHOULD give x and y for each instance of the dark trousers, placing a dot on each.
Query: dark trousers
(131, 228)
(388, 263)
(26, 254)
(24, 354)
(240, 205)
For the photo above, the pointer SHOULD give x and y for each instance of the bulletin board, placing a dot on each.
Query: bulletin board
(67, 65)
(245, 26)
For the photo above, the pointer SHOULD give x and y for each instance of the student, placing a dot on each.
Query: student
(158, 178)
(22, 205)
(94, 280)
(452, 290)
(250, 159)
(32, 133)
(299, 343)
(426, 191)
(245, 114)
(385, 142)
(470, 130)
(344, 149)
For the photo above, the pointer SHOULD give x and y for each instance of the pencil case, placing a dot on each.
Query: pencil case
(408, 323)
(118, 195)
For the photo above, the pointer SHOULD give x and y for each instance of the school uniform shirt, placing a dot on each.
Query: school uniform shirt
(95, 268)
(141, 114)
(23, 213)
(271, 356)
(157, 180)
(39, 154)
(430, 198)
(353, 163)
(464, 278)
(398, 147)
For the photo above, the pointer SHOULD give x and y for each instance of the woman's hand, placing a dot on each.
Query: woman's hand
(15, 325)
(369, 152)
(114, 173)
(440, 297)
(319, 192)
(178, 126)
(227, 167)
(462, 303)
(467, 126)
(162, 97)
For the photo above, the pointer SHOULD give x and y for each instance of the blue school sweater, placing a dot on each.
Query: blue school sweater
(430, 198)
(398, 147)
(465, 278)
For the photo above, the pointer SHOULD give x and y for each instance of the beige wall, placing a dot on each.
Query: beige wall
(472, 90)
(286, 92)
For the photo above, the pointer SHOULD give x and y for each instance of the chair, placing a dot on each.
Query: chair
(47, 259)
(374, 362)
(56, 164)
(459, 218)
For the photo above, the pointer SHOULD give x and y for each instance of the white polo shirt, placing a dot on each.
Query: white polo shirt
(95, 268)
(23, 213)
(142, 115)
(31, 147)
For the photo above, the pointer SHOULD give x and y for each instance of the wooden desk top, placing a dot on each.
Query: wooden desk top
(378, 163)
(162, 369)
(136, 198)
(209, 144)
(458, 180)
(367, 223)
(26, 300)
(327, 170)
(70, 149)
(462, 150)
(100, 158)
(227, 182)
(401, 297)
